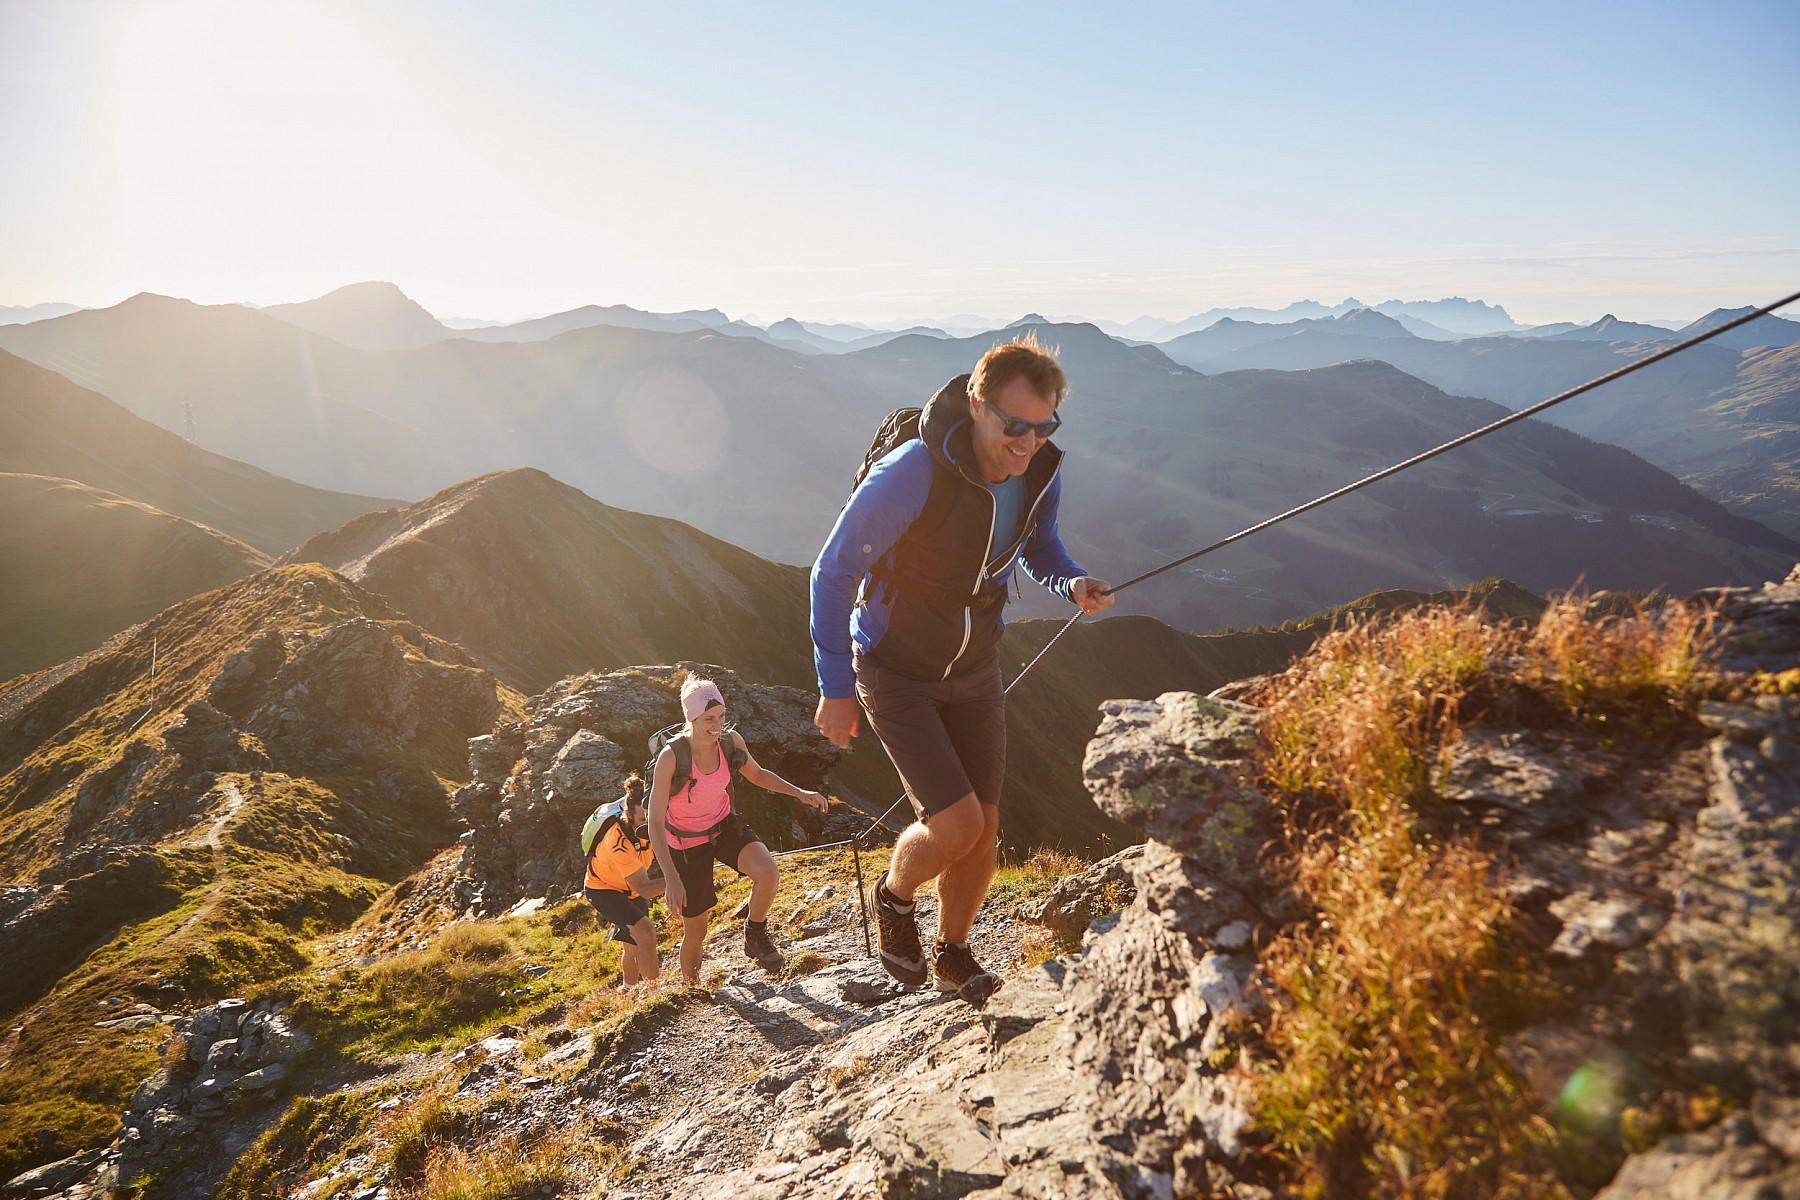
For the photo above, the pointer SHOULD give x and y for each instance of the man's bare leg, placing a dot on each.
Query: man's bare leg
(928, 849)
(964, 884)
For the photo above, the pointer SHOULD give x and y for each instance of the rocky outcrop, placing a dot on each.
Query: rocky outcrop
(1069, 907)
(221, 1060)
(352, 693)
(534, 781)
(221, 1063)
(83, 900)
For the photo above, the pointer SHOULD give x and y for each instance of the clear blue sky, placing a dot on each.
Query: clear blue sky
(835, 161)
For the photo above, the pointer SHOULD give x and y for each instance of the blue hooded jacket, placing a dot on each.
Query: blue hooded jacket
(916, 600)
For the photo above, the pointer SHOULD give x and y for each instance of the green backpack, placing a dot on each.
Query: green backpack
(598, 823)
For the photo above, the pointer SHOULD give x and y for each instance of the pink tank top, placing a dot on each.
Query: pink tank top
(702, 804)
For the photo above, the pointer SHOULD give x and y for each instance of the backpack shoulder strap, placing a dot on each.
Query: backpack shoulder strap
(606, 827)
(899, 426)
(736, 754)
(684, 763)
(938, 501)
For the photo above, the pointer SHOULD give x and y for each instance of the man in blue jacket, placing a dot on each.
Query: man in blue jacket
(906, 602)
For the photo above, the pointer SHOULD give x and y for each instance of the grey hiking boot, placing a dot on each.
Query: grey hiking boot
(901, 954)
(761, 947)
(957, 971)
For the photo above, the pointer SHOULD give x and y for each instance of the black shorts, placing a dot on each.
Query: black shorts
(946, 737)
(619, 910)
(695, 866)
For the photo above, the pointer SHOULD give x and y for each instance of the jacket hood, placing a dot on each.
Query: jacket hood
(944, 427)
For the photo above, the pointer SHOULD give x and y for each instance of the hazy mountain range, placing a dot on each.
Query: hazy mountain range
(1691, 415)
(21, 314)
(755, 444)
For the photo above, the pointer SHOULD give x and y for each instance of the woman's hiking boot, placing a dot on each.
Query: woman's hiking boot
(957, 971)
(901, 954)
(761, 947)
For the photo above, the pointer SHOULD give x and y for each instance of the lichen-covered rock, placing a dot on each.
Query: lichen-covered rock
(54, 1177)
(1736, 931)
(363, 690)
(1071, 905)
(1761, 626)
(206, 740)
(1179, 769)
(1730, 1161)
(228, 1058)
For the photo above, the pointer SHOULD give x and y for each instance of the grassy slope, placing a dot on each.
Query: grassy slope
(1758, 470)
(81, 564)
(540, 581)
(295, 857)
(50, 426)
(1725, 423)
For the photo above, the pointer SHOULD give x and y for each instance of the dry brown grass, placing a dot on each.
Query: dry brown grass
(511, 1168)
(1640, 666)
(1360, 715)
(1381, 1072)
(1383, 1069)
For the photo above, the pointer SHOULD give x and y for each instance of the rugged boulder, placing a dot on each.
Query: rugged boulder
(533, 781)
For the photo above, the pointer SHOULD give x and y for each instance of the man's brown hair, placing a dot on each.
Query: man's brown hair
(1023, 356)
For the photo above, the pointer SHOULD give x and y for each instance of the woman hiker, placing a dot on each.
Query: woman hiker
(693, 825)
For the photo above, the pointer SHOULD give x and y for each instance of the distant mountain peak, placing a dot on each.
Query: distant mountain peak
(1029, 319)
(373, 315)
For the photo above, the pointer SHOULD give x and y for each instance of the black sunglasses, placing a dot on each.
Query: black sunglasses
(1013, 427)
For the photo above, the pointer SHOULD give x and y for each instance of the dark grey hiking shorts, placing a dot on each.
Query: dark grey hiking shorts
(946, 737)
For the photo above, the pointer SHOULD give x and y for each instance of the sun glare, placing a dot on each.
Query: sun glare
(258, 139)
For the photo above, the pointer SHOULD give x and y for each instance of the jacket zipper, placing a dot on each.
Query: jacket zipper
(968, 612)
(982, 575)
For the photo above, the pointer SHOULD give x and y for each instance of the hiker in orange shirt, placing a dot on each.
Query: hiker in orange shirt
(619, 886)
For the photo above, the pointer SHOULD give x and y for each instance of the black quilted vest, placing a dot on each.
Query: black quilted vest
(946, 606)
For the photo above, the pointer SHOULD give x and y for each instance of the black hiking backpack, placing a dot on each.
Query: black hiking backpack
(676, 741)
(896, 429)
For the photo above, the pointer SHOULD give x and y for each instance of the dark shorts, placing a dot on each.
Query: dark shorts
(695, 866)
(619, 910)
(946, 737)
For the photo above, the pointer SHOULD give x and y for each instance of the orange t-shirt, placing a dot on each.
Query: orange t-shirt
(615, 859)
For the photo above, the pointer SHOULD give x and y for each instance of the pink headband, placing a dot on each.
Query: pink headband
(701, 699)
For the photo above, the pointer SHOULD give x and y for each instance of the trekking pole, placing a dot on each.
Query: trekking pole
(862, 906)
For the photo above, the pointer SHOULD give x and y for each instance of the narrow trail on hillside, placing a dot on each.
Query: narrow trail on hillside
(214, 840)
(697, 1095)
